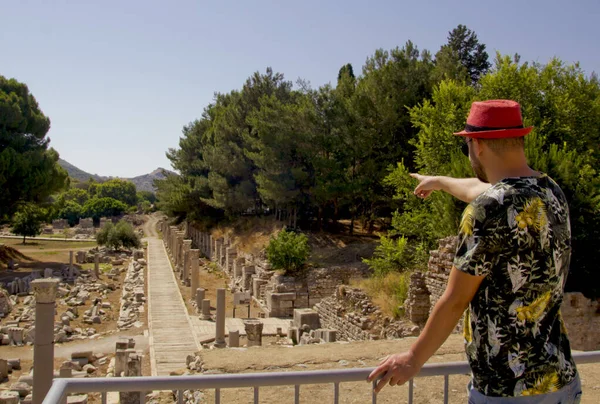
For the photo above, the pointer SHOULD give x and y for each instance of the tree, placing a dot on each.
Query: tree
(561, 103)
(146, 196)
(118, 189)
(288, 251)
(121, 235)
(71, 211)
(28, 221)
(103, 207)
(463, 47)
(29, 171)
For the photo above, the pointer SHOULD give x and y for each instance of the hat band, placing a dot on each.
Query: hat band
(473, 128)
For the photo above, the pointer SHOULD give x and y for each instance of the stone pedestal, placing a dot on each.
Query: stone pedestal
(220, 326)
(43, 351)
(234, 339)
(254, 330)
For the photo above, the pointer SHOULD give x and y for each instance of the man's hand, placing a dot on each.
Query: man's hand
(396, 370)
(427, 184)
(465, 189)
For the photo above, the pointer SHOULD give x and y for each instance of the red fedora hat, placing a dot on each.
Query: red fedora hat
(495, 119)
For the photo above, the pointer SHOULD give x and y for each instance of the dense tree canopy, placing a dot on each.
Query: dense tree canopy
(29, 171)
(313, 156)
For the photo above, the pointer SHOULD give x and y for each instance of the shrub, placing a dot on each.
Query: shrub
(121, 235)
(288, 251)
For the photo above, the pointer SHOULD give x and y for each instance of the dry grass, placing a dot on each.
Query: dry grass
(388, 292)
(250, 234)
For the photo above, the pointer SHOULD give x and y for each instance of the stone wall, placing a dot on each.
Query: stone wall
(582, 319)
(352, 313)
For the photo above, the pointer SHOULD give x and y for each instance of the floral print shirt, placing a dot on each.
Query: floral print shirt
(517, 235)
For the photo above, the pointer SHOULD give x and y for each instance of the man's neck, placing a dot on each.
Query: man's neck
(509, 168)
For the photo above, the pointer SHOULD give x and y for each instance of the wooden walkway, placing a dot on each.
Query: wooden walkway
(171, 335)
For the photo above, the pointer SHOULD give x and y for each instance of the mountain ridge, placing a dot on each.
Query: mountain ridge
(142, 182)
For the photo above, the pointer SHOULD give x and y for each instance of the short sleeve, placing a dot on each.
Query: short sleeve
(479, 237)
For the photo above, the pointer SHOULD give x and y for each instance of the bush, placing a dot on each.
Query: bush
(121, 235)
(288, 251)
(397, 255)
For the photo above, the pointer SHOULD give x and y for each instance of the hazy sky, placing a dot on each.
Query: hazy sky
(119, 79)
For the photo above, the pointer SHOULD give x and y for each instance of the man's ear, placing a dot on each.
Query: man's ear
(478, 146)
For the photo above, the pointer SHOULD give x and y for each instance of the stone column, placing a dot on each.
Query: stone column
(97, 265)
(220, 329)
(234, 339)
(185, 274)
(253, 332)
(71, 274)
(195, 273)
(43, 351)
(205, 309)
(199, 299)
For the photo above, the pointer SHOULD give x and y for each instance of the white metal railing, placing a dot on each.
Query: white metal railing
(62, 387)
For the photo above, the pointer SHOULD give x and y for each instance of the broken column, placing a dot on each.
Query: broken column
(97, 265)
(133, 369)
(234, 339)
(121, 357)
(71, 269)
(43, 351)
(205, 309)
(195, 275)
(220, 329)
(199, 299)
(254, 330)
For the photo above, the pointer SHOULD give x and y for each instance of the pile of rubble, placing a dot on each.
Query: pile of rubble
(76, 289)
(19, 390)
(134, 297)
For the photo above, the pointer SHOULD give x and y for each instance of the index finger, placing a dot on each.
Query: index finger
(416, 176)
(384, 380)
(378, 371)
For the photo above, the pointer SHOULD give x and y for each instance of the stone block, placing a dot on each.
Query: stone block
(78, 399)
(306, 316)
(9, 397)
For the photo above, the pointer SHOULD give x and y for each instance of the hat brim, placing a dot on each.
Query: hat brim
(496, 134)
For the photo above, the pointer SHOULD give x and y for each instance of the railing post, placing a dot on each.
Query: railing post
(410, 391)
(336, 393)
(297, 394)
(255, 394)
(446, 385)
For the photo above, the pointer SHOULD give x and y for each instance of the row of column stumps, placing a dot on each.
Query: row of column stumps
(186, 263)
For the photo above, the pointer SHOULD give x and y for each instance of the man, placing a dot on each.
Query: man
(510, 268)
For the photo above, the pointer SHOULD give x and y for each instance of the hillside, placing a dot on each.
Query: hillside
(77, 173)
(142, 182)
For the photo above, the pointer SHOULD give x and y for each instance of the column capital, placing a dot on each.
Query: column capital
(45, 290)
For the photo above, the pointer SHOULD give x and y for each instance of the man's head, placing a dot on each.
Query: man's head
(494, 135)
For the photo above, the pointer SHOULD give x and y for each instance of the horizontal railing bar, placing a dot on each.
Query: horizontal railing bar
(61, 387)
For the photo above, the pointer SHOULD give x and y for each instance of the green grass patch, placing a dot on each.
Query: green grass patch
(389, 292)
